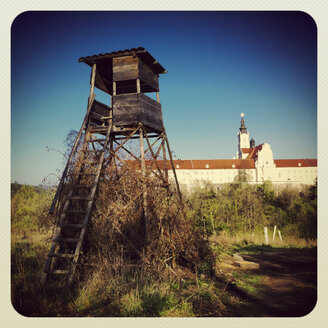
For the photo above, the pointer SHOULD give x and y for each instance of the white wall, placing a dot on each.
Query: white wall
(288, 175)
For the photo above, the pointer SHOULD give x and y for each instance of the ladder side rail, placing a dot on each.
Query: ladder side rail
(90, 103)
(88, 211)
(61, 184)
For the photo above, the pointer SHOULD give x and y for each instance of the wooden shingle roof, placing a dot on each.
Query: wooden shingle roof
(106, 58)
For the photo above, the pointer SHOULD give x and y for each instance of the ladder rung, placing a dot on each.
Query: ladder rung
(75, 211)
(91, 162)
(99, 129)
(97, 140)
(94, 150)
(68, 240)
(62, 255)
(80, 198)
(72, 225)
(59, 271)
(84, 173)
(83, 185)
(97, 116)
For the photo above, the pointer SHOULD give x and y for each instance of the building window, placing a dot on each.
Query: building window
(178, 166)
(299, 164)
(207, 166)
(233, 166)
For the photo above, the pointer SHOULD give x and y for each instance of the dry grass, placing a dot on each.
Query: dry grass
(226, 239)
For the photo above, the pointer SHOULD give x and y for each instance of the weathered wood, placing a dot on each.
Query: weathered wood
(127, 139)
(88, 211)
(132, 68)
(147, 75)
(144, 175)
(90, 102)
(128, 151)
(92, 82)
(126, 88)
(164, 159)
(125, 68)
(99, 113)
(173, 168)
(130, 109)
(155, 158)
(100, 108)
(103, 84)
(138, 86)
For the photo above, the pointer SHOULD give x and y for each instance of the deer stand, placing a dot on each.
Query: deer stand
(129, 135)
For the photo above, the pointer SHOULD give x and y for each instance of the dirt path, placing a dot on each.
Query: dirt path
(288, 284)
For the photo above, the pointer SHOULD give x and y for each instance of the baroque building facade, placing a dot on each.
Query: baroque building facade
(255, 163)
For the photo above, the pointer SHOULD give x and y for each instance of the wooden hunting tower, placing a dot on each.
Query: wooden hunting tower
(126, 76)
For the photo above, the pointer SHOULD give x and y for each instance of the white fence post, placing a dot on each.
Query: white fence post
(274, 233)
(279, 233)
(266, 235)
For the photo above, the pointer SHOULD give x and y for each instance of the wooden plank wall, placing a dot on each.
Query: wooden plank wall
(125, 68)
(102, 84)
(130, 109)
(100, 108)
(148, 76)
(151, 112)
(126, 109)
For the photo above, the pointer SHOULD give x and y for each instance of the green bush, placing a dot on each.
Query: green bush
(29, 207)
(240, 207)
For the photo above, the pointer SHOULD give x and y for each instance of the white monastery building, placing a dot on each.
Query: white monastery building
(256, 162)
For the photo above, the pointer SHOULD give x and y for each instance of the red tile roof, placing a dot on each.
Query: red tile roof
(199, 164)
(294, 162)
(255, 150)
(208, 164)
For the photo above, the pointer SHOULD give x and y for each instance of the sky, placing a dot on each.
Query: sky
(219, 65)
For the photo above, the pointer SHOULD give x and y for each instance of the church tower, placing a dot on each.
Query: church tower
(243, 138)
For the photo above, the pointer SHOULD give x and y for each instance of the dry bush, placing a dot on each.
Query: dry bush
(117, 239)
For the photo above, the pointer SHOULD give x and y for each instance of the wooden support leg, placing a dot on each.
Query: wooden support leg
(173, 168)
(144, 175)
(164, 161)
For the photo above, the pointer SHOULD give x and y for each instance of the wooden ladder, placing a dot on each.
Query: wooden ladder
(76, 207)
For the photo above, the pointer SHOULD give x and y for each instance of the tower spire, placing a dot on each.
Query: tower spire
(243, 139)
(242, 128)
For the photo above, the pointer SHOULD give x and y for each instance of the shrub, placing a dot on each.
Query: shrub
(29, 208)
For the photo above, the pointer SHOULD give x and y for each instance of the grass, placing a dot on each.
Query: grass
(226, 243)
(127, 295)
(249, 283)
(97, 293)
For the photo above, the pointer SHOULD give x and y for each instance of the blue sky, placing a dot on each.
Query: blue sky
(219, 64)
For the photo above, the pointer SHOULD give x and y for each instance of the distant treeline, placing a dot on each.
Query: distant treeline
(237, 207)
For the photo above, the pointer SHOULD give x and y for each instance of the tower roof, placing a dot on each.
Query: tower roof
(106, 59)
(242, 128)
